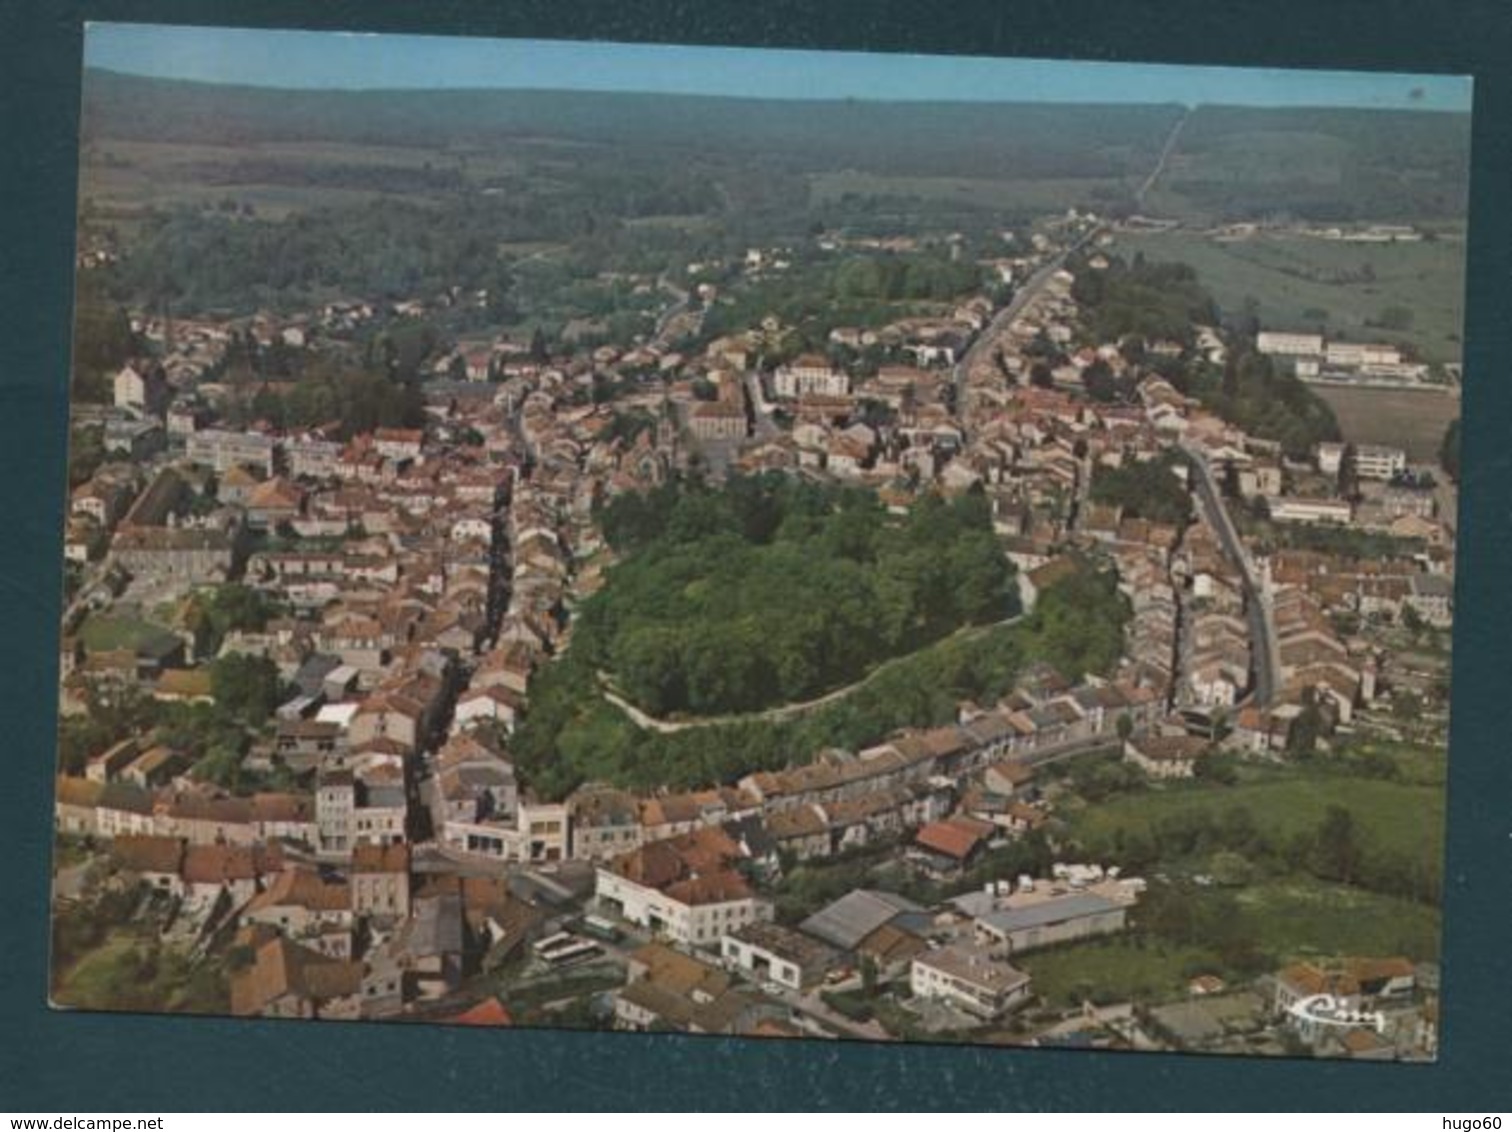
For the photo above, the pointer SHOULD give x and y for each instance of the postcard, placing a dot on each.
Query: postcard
(760, 543)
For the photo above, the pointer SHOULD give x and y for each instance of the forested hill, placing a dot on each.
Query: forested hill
(1230, 162)
(964, 139)
(1244, 163)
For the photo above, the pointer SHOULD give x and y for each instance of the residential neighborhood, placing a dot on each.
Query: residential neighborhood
(876, 631)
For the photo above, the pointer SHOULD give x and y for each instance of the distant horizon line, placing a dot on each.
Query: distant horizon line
(776, 96)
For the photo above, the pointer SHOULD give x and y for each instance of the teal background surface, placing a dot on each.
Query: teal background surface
(74, 1063)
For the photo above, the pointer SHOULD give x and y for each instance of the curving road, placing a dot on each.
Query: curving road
(782, 712)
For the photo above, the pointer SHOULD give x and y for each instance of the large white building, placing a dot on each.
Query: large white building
(808, 375)
(1289, 344)
(1379, 462)
(1353, 355)
(1330, 457)
(775, 954)
(1297, 509)
(140, 390)
(970, 978)
(223, 450)
(669, 887)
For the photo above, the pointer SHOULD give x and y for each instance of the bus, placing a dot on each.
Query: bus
(599, 928)
(542, 947)
(578, 952)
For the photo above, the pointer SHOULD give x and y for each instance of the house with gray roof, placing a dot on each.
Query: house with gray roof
(1042, 922)
(844, 923)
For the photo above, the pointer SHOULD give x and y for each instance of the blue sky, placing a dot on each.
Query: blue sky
(348, 61)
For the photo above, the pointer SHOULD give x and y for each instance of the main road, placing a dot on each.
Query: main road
(1266, 652)
(1004, 318)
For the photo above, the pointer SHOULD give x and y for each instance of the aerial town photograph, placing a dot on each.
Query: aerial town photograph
(777, 544)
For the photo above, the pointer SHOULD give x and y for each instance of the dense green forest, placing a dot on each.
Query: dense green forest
(1141, 298)
(776, 590)
(1246, 163)
(1028, 139)
(1449, 450)
(103, 340)
(571, 734)
(815, 297)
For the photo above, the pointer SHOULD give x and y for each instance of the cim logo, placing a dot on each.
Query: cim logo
(1326, 1010)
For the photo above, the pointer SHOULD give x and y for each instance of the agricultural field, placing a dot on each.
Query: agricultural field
(1302, 283)
(274, 179)
(1410, 419)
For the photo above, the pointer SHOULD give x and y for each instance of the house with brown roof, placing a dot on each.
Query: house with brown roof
(685, 888)
(284, 817)
(605, 822)
(123, 808)
(489, 1012)
(74, 805)
(307, 907)
(1166, 756)
(108, 764)
(235, 870)
(1358, 983)
(769, 952)
(380, 880)
(154, 767)
(667, 989)
(155, 860)
(209, 819)
(285, 980)
(802, 831)
(951, 846)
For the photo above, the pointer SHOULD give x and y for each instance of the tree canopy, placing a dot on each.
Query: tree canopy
(1449, 450)
(571, 734)
(1145, 490)
(773, 590)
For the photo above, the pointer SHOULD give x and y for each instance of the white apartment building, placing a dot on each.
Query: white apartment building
(970, 978)
(697, 911)
(223, 450)
(1379, 462)
(1297, 509)
(1288, 344)
(1353, 355)
(807, 375)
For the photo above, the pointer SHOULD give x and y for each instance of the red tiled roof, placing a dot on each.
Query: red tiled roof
(957, 838)
(489, 1012)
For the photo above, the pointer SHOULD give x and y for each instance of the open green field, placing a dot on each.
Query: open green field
(1048, 194)
(128, 972)
(1290, 919)
(1298, 918)
(1114, 970)
(1392, 816)
(275, 178)
(1405, 418)
(101, 634)
(1293, 279)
